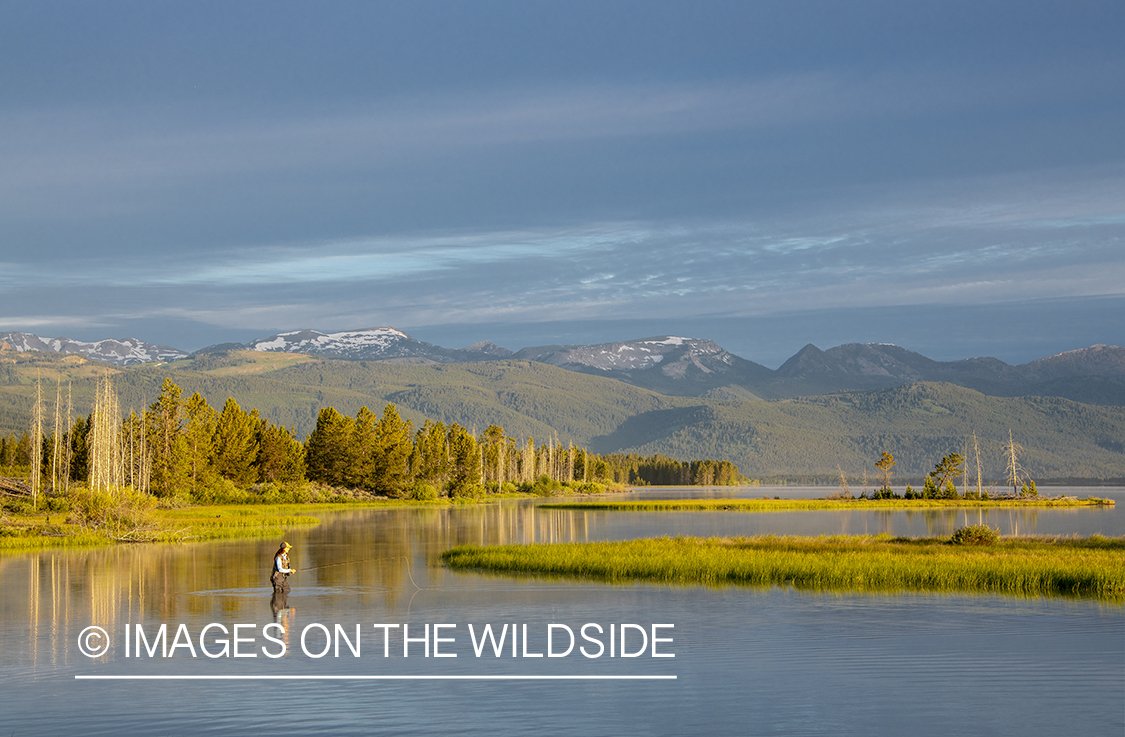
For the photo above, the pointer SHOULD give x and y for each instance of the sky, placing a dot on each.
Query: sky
(946, 176)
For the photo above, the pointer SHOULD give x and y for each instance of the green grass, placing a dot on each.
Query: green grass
(21, 539)
(42, 530)
(223, 522)
(1092, 567)
(781, 505)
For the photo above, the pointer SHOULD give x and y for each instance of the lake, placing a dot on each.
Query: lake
(770, 661)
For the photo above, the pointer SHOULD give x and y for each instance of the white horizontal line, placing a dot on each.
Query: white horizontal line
(374, 678)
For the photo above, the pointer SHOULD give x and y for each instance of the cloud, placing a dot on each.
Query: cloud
(985, 241)
(116, 161)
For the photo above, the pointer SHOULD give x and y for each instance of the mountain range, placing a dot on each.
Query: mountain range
(674, 365)
(799, 437)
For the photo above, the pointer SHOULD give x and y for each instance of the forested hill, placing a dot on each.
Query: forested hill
(919, 423)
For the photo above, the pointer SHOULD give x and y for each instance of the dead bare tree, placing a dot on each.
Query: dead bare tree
(1014, 470)
(36, 442)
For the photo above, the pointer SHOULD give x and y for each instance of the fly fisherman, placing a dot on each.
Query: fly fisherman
(279, 575)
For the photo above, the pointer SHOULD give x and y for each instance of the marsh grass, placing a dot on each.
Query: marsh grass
(45, 529)
(19, 538)
(786, 505)
(1091, 567)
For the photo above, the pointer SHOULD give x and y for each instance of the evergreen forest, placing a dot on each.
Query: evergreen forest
(641, 436)
(184, 447)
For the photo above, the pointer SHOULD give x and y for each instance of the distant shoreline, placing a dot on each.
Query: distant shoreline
(766, 505)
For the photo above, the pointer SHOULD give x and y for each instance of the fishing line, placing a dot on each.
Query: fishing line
(409, 567)
(346, 563)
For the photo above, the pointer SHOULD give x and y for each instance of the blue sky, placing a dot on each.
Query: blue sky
(945, 176)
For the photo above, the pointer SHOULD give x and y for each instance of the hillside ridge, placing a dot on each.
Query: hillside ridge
(674, 365)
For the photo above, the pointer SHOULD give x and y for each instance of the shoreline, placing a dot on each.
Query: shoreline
(787, 505)
(201, 523)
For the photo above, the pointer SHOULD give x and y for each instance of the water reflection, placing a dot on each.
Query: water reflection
(1083, 521)
(746, 656)
(384, 558)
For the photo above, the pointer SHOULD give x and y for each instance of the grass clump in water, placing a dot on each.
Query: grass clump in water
(1093, 567)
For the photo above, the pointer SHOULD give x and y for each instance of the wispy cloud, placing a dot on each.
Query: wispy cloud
(973, 242)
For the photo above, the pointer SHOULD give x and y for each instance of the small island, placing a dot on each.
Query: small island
(973, 560)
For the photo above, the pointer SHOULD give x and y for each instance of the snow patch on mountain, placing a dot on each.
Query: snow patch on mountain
(671, 351)
(346, 343)
(124, 352)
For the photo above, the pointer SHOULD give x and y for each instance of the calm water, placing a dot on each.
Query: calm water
(747, 661)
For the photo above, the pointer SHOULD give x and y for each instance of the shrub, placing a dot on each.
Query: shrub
(930, 489)
(121, 510)
(221, 491)
(422, 492)
(975, 535)
(57, 504)
(468, 491)
(18, 506)
(543, 486)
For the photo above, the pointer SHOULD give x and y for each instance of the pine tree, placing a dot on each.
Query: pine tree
(236, 444)
(166, 440)
(199, 440)
(281, 457)
(948, 470)
(465, 461)
(429, 461)
(326, 448)
(390, 467)
(22, 454)
(80, 449)
(885, 464)
(362, 451)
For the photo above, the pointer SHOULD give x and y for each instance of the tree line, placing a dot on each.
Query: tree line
(660, 470)
(185, 446)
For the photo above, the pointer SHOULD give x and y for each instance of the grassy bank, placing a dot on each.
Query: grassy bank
(1092, 567)
(785, 505)
(46, 529)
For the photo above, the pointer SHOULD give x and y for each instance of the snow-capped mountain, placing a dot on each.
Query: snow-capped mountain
(366, 343)
(665, 363)
(124, 352)
(665, 352)
(674, 365)
(375, 344)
